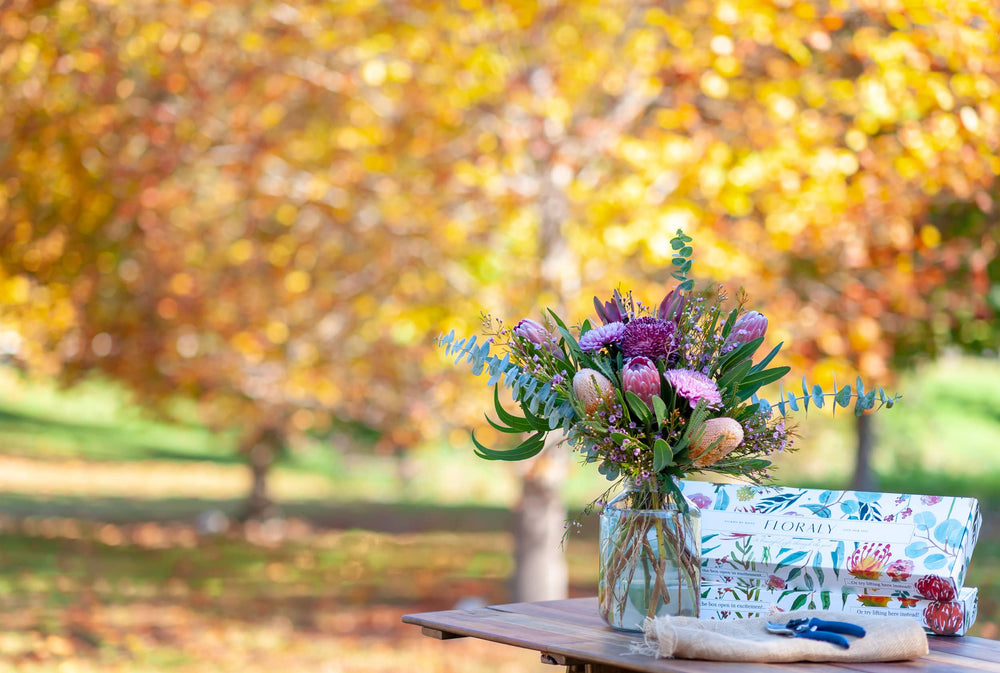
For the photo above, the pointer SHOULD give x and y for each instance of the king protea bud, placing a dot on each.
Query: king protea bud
(534, 332)
(672, 306)
(640, 376)
(729, 434)
(751, 325)
(592, 388)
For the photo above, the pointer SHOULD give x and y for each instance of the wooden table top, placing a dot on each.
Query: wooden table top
(572, 634)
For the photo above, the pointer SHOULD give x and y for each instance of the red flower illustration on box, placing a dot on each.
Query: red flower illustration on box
(869, 560)
(899, 570)
(935, 588)
(944, 617)
(907, 602)
(775, 582)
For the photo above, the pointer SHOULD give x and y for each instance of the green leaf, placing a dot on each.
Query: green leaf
(638, 407)
(799, 601)
(755, 381)
(515, 423)
(526, 449)
(739, 354)
(662, 454)
(734, 376)
(730, 321)
(503, 428)
(767, 359)
(817, 396)
(660, 409)
(843, 396)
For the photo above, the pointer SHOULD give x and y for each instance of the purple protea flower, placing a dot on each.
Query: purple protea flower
(612, 311)
(749, 326)
(640, 376)
(672, 306)
(534, 332)
(601, 337)
(648, 337)
(694, 387)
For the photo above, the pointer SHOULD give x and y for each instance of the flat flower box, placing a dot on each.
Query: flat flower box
(748, 599)
(809, 540)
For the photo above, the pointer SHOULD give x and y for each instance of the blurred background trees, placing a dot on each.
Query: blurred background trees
(271, 210)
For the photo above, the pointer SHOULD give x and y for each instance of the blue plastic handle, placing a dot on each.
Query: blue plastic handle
(839, 641)
(836, 627)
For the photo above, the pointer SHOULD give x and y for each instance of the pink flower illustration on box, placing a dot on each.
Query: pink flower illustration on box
(869, 560)
(702, 500)
(775, 582)
(930, 499)
(899, 570)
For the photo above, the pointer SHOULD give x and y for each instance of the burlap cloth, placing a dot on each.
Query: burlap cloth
(887, 639)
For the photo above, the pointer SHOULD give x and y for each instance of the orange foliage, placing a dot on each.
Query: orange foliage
(273, 208)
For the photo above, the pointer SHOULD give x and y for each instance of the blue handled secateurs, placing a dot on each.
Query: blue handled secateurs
(818, 629)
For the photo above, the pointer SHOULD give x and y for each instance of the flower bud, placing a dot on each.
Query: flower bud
(534, 332)
(640, 376)
(729, 434)
(749, 326)
(592, 388)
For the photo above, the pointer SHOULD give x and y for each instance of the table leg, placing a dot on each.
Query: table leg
(577, 665)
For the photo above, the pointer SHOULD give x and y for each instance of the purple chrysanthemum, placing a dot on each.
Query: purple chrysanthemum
(648, 337)
(602, 336)
(694, 387)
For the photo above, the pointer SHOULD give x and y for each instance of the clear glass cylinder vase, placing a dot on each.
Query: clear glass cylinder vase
(650, 557)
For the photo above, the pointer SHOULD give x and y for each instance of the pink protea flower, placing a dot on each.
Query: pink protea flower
(640, 376)
(775, 582)
(701, 500)
(751, 325)
(694, 387)
(534, 332)
(601, 337)
(648, 337)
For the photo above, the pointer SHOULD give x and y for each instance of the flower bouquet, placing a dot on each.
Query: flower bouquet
(649, 394)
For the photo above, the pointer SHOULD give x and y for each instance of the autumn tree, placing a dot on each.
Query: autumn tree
(272, 209)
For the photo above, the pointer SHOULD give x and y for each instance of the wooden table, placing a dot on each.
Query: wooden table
(570, 633)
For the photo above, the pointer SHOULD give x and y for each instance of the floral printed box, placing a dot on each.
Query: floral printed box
(749, 599)
(810, 539)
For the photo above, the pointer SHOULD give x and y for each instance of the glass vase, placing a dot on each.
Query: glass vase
(650, 557)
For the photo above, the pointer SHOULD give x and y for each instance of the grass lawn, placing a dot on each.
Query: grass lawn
(103, 567)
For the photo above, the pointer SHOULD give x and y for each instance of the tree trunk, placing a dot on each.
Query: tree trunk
(264, 447)
(540, 571)
(540, 516)
(864, 476)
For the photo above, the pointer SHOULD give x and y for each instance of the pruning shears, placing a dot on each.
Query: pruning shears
(818, 629)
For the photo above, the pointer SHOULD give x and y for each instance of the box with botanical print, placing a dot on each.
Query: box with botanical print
(810, 539)
(749, 598)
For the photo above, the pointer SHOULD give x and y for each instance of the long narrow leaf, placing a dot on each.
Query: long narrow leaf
(526, 449)
(767, 359)
(510, 420)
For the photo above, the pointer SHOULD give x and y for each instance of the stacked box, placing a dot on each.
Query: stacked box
(808, 543)
(948, 618)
